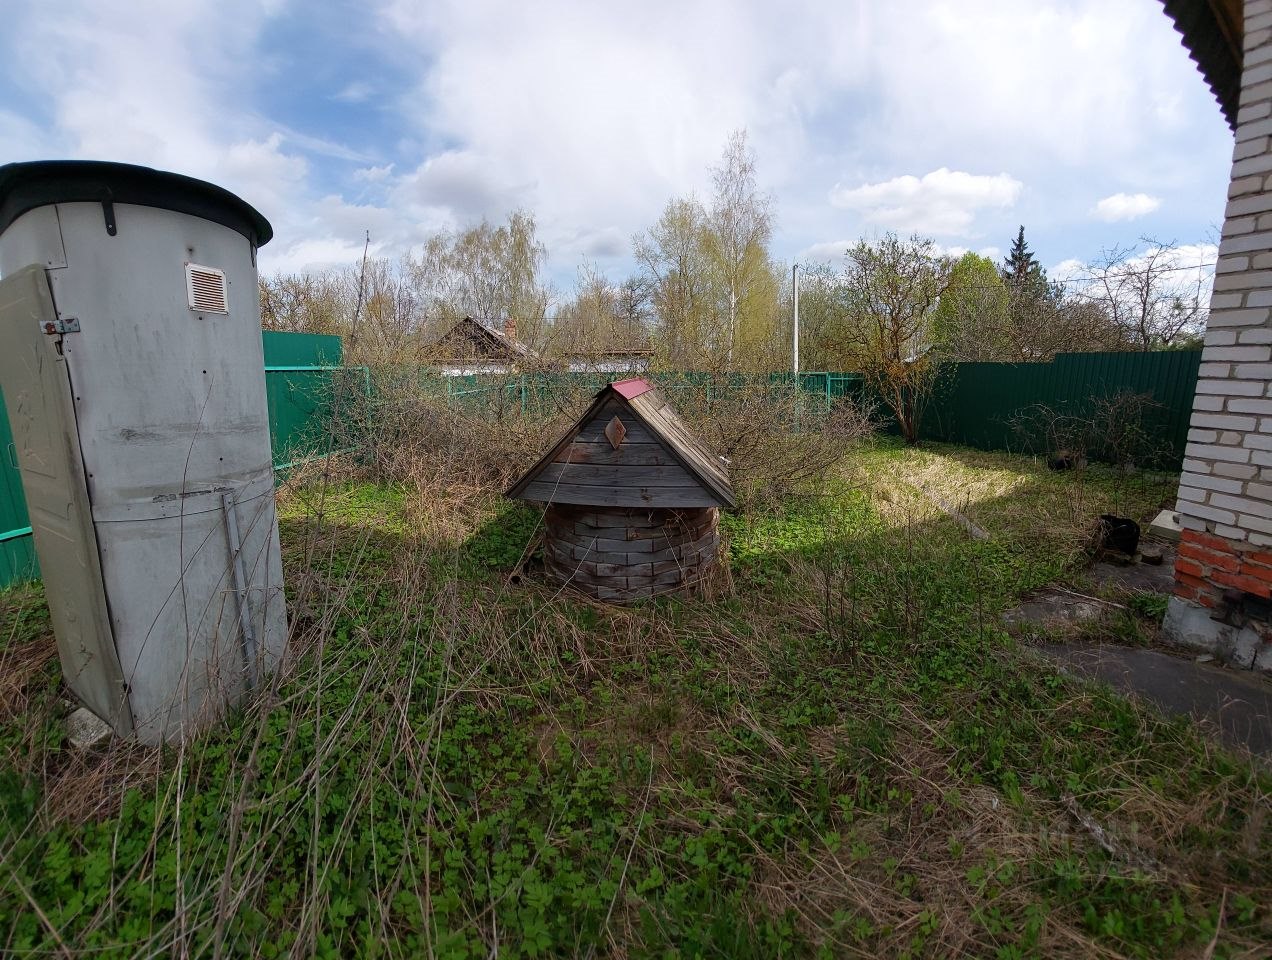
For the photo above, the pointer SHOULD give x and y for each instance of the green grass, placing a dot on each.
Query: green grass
(836, 753)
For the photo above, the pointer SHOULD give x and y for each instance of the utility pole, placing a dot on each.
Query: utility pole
(795, 336)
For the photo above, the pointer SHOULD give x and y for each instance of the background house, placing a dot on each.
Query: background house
(475, 345)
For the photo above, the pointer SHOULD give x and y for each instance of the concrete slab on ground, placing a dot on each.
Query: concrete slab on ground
(1238, 704)
(1052, 608)
(1141, 577)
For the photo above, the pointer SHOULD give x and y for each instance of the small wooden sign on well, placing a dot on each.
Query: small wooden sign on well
(614, 432)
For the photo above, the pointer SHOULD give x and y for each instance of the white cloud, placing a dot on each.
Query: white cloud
(832, 251)
(941, 202)
(592, 116)
(1067, 271)
(466, 184)
(359, 91)
(1125, 206)
(373, 174)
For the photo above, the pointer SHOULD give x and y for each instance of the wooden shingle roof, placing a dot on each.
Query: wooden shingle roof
(641, 401)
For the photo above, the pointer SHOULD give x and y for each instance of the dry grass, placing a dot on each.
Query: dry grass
(791, 763)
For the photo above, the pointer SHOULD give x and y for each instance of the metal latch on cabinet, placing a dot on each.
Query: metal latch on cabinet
(61, 325)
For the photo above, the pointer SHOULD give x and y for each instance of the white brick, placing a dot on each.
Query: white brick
(1191, 494)
(1233, 264)
(1250, 522)
(1261, 261)
(1257, 441)
(1247, 279)
(1210, 483)
(1239, 318)
(1265, 425)
(1239, 471)
(1253, 55)
(1255, 92)
(1263, 164)
(1221, 338)
(1260, 491)
(1196, 466)
(1226, 301)
(1221, 421)
(1214, 370)
(1239, 225)
(1249, 148)
(1261, 458)
(1207, 403)
(1231, 388)
(1202, 436)
(1259, 203)
(1256, 111)
(1230, 437)
(1246, 242)
(1256, 335)
(1246, 405)
(1254, 371)
(1248, 353)
(1191, 523)
(1243, 186)
(1212, 452)
(1249, 77)
(1261, 540)
(1204, 512)
(1259, 298)
(1242, 505)
(1232, 533)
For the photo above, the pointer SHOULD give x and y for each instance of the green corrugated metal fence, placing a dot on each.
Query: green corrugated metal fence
(999, 406)
(983, 405)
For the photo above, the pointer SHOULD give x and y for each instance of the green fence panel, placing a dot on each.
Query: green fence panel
(302, 371)
(17, 550)
(999, 406)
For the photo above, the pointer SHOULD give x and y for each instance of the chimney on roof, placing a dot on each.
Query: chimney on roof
(510, 328)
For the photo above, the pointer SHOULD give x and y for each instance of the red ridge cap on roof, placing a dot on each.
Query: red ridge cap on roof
(633, 388)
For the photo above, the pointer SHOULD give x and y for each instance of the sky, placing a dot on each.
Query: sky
(1083, 120)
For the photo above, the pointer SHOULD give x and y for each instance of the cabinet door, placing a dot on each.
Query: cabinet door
(41, 408)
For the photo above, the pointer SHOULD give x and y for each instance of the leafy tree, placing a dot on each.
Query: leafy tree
(714, 287)
(972, 319)
(485, 271)
(675, 264)
(892, 289)
(738, 233)
(601, 317)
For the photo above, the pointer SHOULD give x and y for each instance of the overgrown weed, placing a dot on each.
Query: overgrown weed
(840, 753)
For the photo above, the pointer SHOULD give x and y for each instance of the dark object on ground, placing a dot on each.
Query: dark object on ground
(1119, 533)
(1066, 460)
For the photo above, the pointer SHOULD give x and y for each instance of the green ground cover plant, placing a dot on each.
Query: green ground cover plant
(834, 751)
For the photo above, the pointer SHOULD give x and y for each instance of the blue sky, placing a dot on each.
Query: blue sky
(1083, 120)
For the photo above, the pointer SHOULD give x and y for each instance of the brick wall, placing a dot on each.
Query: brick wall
(1225, 491)
(1208, 565)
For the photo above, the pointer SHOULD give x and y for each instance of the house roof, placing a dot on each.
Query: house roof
(480, 332)
(647, 404)
(1213, 32)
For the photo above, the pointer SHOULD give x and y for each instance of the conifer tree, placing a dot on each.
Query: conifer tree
(1021, 269)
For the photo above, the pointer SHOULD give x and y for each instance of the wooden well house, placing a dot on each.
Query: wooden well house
(632, 498)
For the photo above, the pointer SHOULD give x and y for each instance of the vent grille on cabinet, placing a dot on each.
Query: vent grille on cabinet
(206, 289)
